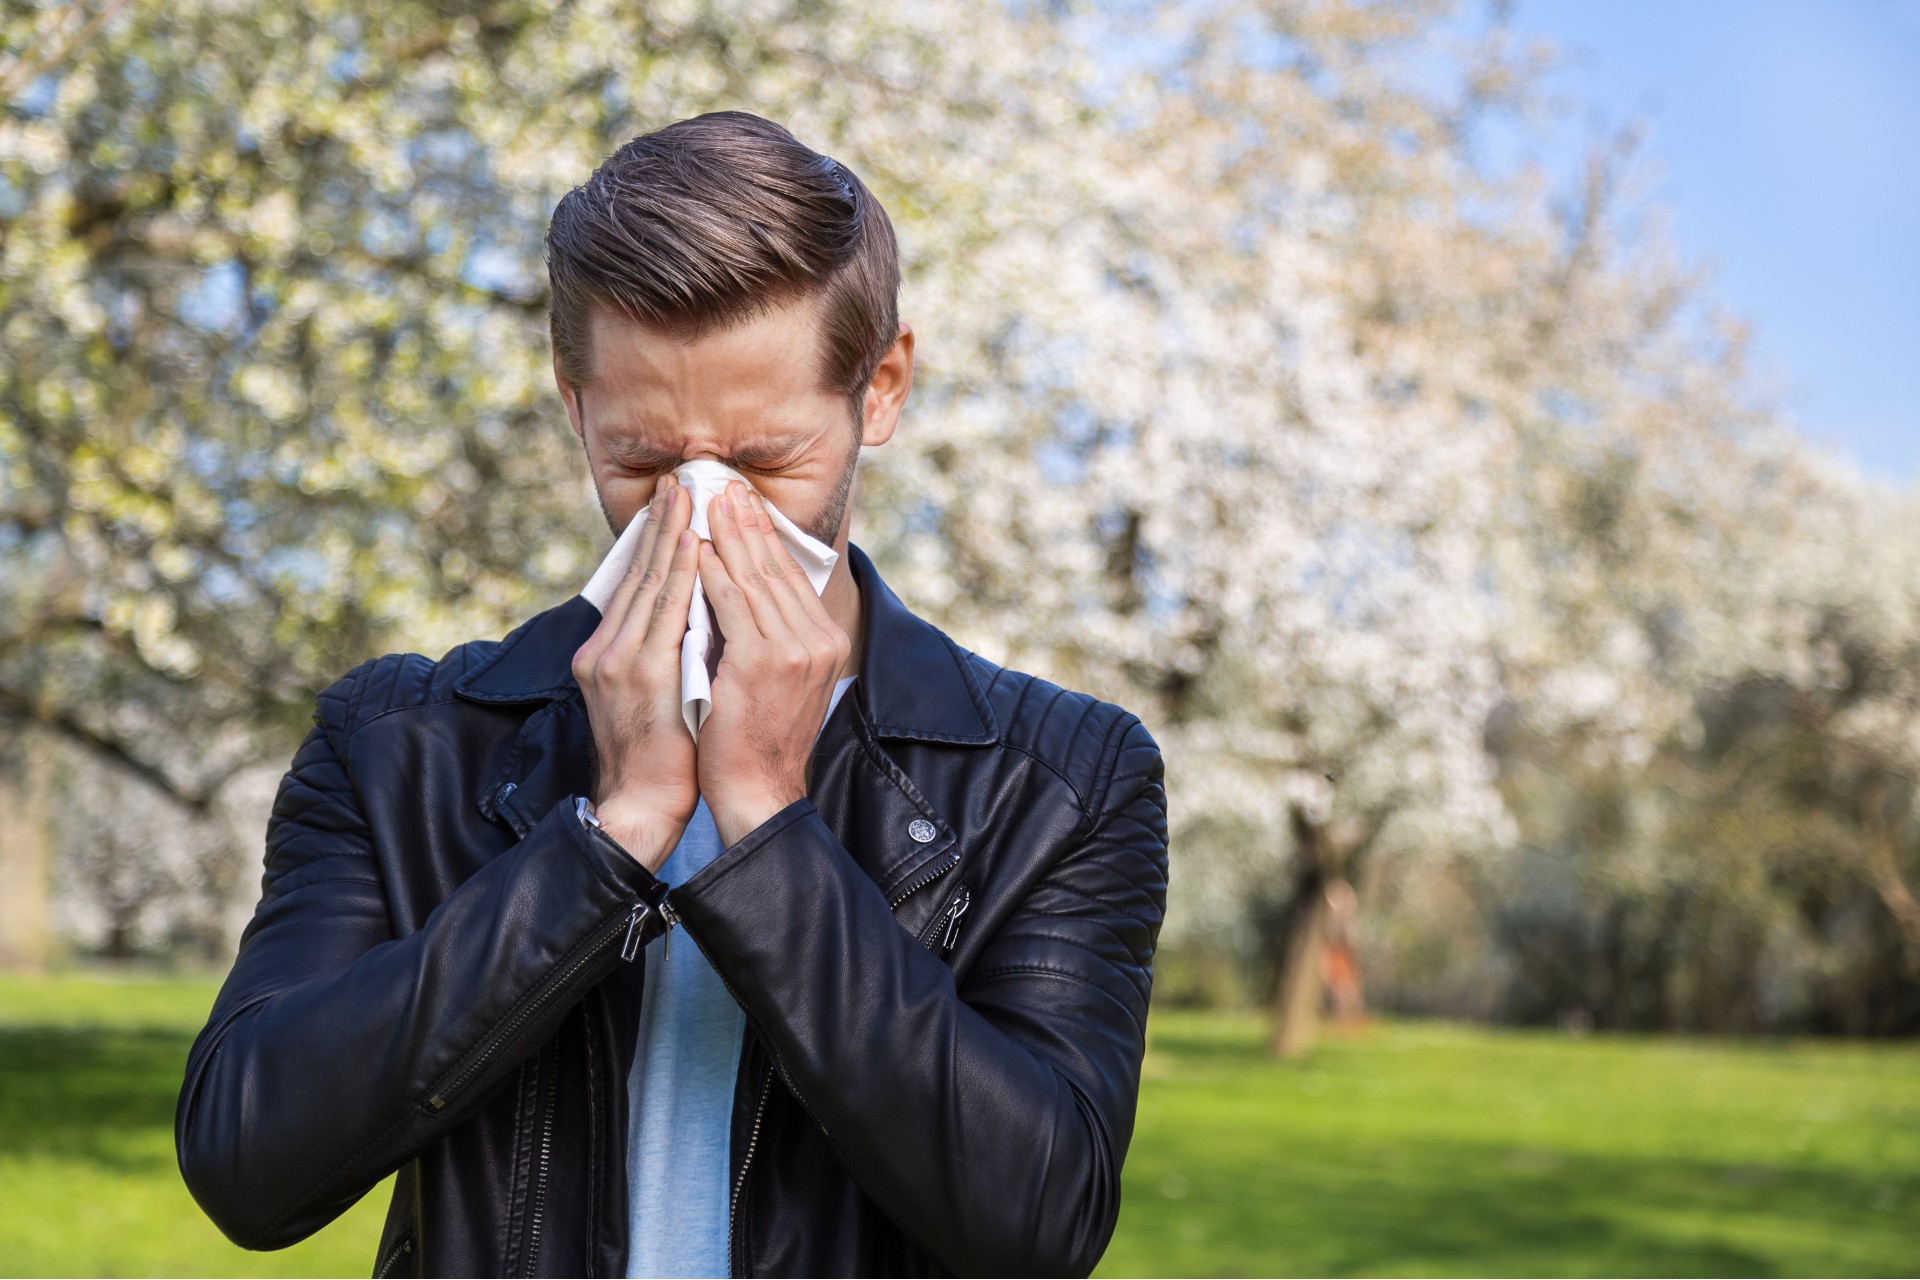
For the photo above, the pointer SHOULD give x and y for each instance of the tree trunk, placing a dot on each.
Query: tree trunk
(1296, 1004)
(1883, 874)
(1324, 857)
(1339, 962)
(24, 853)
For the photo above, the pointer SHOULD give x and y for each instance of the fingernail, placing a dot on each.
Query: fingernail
(686, 538)
(726, 506)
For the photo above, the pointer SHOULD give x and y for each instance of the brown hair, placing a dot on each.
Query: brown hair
(713, 220)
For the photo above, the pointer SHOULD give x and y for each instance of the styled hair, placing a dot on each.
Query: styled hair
(713, 221)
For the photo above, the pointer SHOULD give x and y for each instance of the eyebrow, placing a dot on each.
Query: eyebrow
(762, 454)
(643, 455)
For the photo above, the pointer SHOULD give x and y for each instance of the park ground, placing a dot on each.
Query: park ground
(1406, 1148)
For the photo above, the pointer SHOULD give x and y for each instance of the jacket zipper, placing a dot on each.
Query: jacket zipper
(630, 945)
(543, 1168)
(898, 898)
(609, 932)
(773, 1058)
(740, 1183)
(672, 918)
(773, 1055)
(401, 1248)
(949, 921)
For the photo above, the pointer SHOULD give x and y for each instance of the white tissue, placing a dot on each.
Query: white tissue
(705, 480)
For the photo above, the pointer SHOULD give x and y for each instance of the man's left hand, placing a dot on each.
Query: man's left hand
(782, 656)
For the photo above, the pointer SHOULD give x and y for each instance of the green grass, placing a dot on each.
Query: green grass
(1414, 1148)
(89, 1071)
(1423, 1149)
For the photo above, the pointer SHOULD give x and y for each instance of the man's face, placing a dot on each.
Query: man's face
(750, 396)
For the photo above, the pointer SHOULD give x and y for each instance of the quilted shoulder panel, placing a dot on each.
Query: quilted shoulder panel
(392, 683)
(1086, 741)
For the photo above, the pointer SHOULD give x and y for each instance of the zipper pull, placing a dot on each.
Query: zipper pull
(672, 918)
(954, 912)
(630, 946)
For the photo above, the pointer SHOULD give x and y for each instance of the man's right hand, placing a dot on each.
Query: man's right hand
(629, 674)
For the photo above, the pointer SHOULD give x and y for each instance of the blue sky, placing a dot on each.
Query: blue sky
(1787, 139)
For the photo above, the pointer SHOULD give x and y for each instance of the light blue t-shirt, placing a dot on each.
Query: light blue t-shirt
(680, 1094)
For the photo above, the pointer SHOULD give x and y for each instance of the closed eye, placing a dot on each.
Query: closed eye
(769, 457)
(639, 459)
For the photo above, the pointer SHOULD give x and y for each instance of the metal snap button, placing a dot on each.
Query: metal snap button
(922, 830)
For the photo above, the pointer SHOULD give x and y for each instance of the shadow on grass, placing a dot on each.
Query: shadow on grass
(99, 1094)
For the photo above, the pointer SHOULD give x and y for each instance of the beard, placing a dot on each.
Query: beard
(825, 526)
(605, 513)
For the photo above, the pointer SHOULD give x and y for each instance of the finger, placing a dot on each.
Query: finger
(624, 591)
(676, 515)
(806, 617)
(730, 543)
(646, 554)
(805, 598)
(729, 602)
(668, 626)
(785, 581)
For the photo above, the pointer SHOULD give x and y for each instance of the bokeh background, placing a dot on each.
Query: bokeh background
(1345, 387)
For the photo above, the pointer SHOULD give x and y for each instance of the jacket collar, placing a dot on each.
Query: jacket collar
(915, 683)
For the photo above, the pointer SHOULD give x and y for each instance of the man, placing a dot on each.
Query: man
(854, 983)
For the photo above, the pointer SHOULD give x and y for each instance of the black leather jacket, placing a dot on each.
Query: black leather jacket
(944, 1034)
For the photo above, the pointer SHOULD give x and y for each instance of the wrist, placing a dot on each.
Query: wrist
(642, 833)
(738, 816)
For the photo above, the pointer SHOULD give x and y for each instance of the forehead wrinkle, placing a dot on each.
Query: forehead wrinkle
(807, 304)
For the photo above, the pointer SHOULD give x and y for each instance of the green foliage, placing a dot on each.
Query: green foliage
(273, 375)
(1753, 879)
(1248, 396)
(251, 387)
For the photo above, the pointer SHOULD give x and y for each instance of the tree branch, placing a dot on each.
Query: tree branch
(198, 801)
(23, 72)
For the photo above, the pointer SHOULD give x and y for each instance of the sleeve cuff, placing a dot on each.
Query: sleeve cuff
(616, 869)
(752, 842)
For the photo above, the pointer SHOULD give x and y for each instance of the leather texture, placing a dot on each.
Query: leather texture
(943, 1039)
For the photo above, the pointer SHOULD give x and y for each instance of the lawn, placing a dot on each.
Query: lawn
(1435, 1149)
(1413, 1148)
(89, 1072)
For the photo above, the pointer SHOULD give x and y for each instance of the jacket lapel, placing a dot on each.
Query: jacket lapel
(882, 819)
(915, 684)
(553, 756)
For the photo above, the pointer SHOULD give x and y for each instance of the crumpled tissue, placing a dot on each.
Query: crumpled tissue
(705, 480)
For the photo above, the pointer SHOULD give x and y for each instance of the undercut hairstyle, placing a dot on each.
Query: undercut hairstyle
(712, 222)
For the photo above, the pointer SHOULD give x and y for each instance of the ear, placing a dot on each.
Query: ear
(887, 393)
(570, 396)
